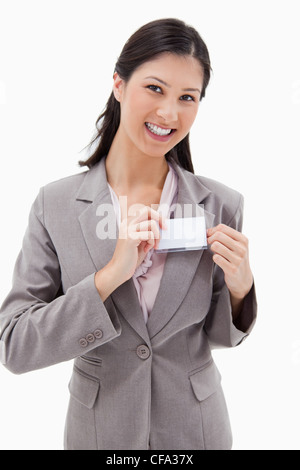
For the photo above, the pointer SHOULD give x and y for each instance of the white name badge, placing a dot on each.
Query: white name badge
(188, 233)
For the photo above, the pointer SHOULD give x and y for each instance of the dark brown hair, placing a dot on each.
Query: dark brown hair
(157, 37)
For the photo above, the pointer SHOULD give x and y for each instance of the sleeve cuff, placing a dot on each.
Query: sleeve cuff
(220, 328)
(107, 325)
(245, 320)
(2, 352)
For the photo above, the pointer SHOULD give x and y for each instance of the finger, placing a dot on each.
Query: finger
(236, 246)
(148, 225)
(222, 238)
(231, 232)
(220, 249)
(147, 245)
(223, 263)
(143, 236)
(150, 244)
(148, 213)
(155, 238)
(163, 222)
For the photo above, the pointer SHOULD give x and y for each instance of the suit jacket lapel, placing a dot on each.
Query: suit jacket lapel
(95, 192)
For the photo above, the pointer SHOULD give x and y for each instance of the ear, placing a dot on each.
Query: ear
(118, 87)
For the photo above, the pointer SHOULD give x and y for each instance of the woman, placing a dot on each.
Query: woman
(140, 324)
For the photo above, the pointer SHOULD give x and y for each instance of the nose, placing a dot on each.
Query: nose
(168, 111)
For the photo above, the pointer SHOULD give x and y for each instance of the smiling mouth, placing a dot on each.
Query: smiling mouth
(159, 130)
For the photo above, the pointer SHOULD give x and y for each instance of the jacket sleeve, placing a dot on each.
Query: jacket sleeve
(41, 326)
(221, 330)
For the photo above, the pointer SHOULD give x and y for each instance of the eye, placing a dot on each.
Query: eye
(155, 88)
(187, 98)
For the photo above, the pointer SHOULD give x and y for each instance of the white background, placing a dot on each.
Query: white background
(56, 65)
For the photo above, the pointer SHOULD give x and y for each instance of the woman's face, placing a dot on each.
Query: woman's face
(159, 103)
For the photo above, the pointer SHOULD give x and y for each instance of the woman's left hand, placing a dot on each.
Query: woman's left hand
(231, 253)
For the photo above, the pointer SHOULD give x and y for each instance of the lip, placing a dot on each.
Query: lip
(160, 138)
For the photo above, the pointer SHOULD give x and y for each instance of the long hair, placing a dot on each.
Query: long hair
(165, 35)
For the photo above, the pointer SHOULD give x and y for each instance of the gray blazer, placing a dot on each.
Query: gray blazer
(133, 385)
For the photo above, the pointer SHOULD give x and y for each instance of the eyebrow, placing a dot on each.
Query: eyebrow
(169, 86)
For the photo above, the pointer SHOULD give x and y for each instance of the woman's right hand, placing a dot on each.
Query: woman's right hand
(138, 234)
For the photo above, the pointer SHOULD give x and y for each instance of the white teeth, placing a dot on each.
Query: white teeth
(158, 130)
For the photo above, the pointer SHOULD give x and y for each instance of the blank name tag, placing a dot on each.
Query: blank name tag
(188, 233)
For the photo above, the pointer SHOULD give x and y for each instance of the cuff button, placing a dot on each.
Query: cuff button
(98, 334)
(90, 338)
(83, 342)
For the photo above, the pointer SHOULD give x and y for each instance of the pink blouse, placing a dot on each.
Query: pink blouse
(148, 275)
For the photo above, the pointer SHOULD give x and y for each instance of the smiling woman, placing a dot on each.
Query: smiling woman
(140, 324)
(163, 112)
(169, 40)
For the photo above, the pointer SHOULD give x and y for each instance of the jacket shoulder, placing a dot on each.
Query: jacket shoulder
(219, 189)
(222, 200)
(55, 200)
(64, 188)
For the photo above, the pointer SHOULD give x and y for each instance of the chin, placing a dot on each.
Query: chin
(156, 153)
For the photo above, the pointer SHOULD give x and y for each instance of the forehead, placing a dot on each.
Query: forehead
(172, 69)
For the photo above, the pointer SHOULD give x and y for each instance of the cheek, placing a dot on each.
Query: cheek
(135, 106)
(188, 118)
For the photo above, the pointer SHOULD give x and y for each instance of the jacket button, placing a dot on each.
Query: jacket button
(90, 338)
(143, 351)
(83, 342)
(98, 334)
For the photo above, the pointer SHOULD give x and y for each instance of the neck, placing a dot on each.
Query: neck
(129, 169)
